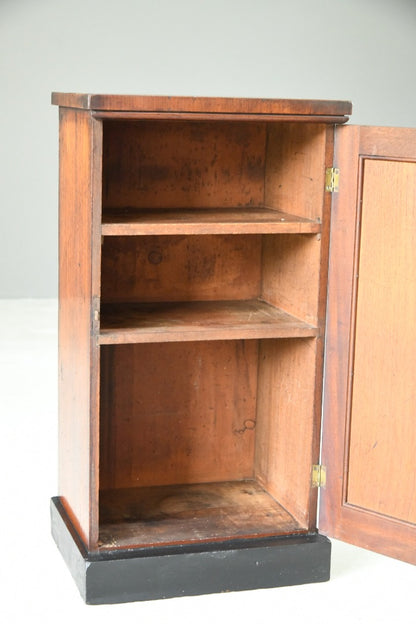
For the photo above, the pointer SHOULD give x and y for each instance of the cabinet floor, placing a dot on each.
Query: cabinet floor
(171, 514)
(36, 586)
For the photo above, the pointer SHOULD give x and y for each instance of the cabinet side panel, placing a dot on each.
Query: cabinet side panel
(294, 277)
(294, 268)
(286, 422)
(295, 166)
(290, 274)
(78, 288)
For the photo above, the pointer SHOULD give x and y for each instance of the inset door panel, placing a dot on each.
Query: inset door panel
(383, 387)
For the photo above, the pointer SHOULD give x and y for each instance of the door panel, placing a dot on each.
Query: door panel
(383, 384)
(369, 444)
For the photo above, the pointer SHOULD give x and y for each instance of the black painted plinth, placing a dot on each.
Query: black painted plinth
(168, 571)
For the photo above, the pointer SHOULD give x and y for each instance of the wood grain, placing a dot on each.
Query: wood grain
(185, 164)
(196, 320)
(201, 104)
(191, 513)
(180, 268)
(79, 201)
(253, 220)
(295, 166)
(215, 234)
(384, 388)
(290, 275)
(177, 413)
(286, 419)
(329, 120)
(387, 232)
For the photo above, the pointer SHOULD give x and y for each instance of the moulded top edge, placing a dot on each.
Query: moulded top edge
(186, 104)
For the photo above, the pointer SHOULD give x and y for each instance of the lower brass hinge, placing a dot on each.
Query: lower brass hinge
(318, 475)
(332, 180)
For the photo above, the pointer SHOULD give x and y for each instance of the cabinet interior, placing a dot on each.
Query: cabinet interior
(211, 329)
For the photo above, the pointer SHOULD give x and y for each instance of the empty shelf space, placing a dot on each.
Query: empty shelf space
(241, 220)
(172, 514)
(198, 320)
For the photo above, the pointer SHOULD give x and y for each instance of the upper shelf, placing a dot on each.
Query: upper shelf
(259, 220)
(147, 104)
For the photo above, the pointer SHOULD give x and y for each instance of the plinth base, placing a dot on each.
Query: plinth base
(167, 571)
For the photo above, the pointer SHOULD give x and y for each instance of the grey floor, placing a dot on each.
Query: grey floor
(35, 584)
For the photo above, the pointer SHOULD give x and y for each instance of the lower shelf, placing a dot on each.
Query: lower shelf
(198, 320)
(190, 513)
(164, 572)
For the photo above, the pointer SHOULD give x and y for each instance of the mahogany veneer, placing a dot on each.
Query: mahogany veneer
(194, 256)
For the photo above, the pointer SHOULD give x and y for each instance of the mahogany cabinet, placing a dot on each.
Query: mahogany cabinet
(206, 247)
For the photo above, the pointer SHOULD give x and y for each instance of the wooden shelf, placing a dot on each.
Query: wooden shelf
(172, 514)
(197, 320)
(241, 220)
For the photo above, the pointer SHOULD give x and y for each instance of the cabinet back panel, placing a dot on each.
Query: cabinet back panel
(180, 268)
(177, 413)
(161, 164)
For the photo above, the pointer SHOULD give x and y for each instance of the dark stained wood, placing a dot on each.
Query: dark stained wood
(142, 103)
(113, 576)
(160, 164)
(177, 413)
(196, 320)
(242, 220)
(369, 444)
(189, 513)
(180, 268)
(79, 199)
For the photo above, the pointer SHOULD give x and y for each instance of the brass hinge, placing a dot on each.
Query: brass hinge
(318, 475)
(332, 180)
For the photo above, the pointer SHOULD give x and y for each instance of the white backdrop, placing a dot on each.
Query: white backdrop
(363, 50)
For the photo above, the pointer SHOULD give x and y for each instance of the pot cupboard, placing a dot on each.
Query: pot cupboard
(237, 304)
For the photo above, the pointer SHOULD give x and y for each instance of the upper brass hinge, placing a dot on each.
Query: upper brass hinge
(332, 180)
(318, 475)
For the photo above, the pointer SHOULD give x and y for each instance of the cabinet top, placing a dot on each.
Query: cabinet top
(203, 105)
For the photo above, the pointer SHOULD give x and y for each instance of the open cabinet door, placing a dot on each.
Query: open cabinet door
(369, 426)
